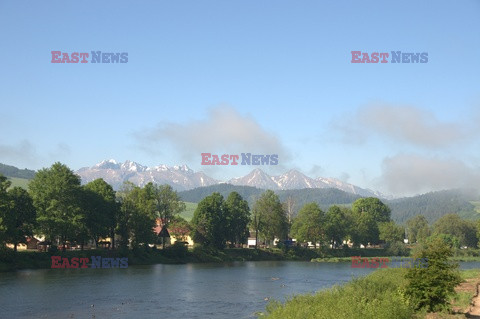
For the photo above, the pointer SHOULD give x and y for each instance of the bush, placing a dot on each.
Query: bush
(396, 249)
(430, 288)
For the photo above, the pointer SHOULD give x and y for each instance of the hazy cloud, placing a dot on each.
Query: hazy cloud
(408, 174)
(315, 171)
(21, 154)
(402, 123)
(224, 131)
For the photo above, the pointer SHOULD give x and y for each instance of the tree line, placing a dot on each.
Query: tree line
(58, 207)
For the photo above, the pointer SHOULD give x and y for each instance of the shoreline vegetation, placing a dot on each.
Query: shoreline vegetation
(180, 254)
(380, 294)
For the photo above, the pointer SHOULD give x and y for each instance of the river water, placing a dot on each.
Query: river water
(229, 290)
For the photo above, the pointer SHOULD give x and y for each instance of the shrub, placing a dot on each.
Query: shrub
(430, 288)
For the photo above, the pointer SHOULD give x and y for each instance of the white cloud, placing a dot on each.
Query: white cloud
(409, 174)
(402, 123)
(223, 131)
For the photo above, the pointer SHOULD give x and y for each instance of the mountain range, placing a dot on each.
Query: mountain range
(182, 178)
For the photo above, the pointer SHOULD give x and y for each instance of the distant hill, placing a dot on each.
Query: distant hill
(12, 171)
(435, 204)
(432, 205)
(325, 197)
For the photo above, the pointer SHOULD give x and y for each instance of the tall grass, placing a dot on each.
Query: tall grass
(378, 295)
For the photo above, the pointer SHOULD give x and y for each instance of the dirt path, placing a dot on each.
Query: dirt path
(474, 311)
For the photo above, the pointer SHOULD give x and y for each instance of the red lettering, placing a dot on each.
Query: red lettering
(65, 57)
(356, 262)
(365, 58)
(55, 58)
(84, 55)
(383, 55)
(205, 157)
(233, 158)
(55, 260)
(74, 262)
(75, 57)
(215, 160)
(84, 261)
(374, 57)
(225, 159)
(355, 58)
(65, 263)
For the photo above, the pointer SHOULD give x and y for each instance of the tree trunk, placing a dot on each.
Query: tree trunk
(15, 247)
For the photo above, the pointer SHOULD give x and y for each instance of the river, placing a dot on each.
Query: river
(229, 290)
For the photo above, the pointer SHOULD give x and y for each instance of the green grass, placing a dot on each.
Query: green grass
(188, 213)
(378, 295)
(477, 206)
(469, 273)
(20, 182)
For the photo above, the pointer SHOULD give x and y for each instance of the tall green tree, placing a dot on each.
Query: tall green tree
(417, 229)
(56, 194)
(19, 217)
(364, 229)
(167, 204)
(431, 287)
(101, 210)
(209, 220)
(337, 225)
(142, 221)
(375, 207)
(237, 217)
(452, 224)
(272, 219)
(309, 224)
(4, 203)
(390, 232)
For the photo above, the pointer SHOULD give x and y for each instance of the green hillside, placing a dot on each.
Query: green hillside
(12, 171)
(20, 182)
(188, 213)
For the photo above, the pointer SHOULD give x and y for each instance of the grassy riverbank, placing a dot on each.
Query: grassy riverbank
(378, 295)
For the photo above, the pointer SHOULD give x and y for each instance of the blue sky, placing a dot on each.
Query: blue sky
(247, 76)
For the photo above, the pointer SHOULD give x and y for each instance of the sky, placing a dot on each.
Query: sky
(232, 77)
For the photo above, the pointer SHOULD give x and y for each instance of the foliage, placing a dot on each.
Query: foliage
(271, 218)
(101, 209)
(309, 224)
(396, 248)
(208, 222)
(137, 214)
(430, 288)
(417, 229)
(377, 295)
(452, 224)
(167, 204)
(374, 207)
(237, 218)
(337, 225)
(364, 229)
(433, 205)
(18, 219)
(390, 232)
(57, 198)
